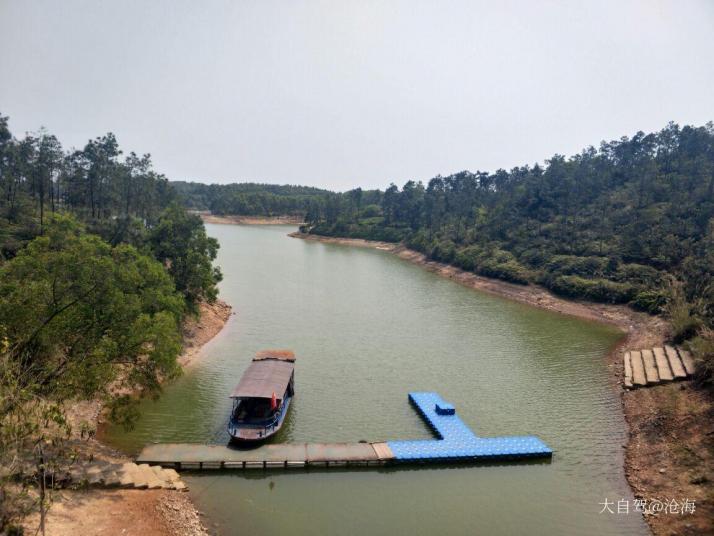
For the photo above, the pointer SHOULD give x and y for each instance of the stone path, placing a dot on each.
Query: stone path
(644, 368)
(126, 475)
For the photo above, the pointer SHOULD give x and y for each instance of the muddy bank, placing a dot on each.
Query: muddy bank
(129, 511)
(252, 220)
(671, 427)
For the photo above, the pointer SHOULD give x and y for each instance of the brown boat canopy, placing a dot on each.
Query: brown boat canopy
(269, 373)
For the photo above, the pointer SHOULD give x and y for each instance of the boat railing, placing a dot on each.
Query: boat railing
(266, 426)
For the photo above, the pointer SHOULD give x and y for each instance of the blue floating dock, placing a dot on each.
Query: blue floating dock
(455, 441)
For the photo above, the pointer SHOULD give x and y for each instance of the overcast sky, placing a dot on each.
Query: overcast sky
(342, 94)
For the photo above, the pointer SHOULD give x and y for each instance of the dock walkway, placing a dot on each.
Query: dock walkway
(455, 442)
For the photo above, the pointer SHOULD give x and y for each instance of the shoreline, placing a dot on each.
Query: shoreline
(653, 465)
(251, 220)
(117, 511)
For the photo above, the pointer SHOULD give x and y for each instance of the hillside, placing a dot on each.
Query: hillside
(247, 199)
(631, 221)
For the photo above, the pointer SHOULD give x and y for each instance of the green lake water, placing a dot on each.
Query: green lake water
(367, 328)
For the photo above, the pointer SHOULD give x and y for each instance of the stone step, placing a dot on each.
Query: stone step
(674, 362)
(638, 369)
(687, 360)
(628, 371)
(665, 372)
(650, 367)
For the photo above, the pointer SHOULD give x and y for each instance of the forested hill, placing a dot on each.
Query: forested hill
(99, 265)
(248, 199)
(631, 221)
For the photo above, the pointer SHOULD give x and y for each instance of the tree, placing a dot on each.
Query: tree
(78, 319)
(179, 241)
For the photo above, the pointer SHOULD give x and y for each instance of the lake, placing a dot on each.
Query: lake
(367, 328)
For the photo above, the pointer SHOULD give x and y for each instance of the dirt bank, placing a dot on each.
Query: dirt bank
(128, 511)
(252, 220)
(122, 512)
(670, 450)
(198, 332)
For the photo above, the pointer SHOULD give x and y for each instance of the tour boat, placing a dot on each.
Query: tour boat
(262, 397)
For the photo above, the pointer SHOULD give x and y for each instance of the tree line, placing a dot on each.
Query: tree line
(248, 199)
(631, 221)
(99, 265)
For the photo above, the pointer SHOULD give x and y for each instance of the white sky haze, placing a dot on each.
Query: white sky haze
(342, 94)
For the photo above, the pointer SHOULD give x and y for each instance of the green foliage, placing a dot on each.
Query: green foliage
(79, 318)
(72, 308)
(650, 301)
(609, 224)
(682, 315)
(600, 290)
(702, 347)
(248, 199)
(180, 242)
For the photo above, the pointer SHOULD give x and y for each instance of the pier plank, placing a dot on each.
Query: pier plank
(674, 362)
(687, 360)
(663, 369)
(383, 451)
(638, 369)
(628, 370)
(650, 368)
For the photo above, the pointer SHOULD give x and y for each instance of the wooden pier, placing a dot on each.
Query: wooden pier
(181, 456)
(653, 366)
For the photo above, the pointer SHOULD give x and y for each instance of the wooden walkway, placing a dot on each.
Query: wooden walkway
(198, 456)
(652, 366)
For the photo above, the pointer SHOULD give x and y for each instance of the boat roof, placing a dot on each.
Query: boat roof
(281, 355)
(265, 376)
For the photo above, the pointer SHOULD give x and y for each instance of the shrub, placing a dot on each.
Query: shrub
(444, 251)
(650, 301)
(574, 265)
(702, 347)
(601, 290)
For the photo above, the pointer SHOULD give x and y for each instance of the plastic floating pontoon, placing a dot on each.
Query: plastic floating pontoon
(456, 441)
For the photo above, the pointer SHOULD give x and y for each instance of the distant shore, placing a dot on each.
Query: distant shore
(251, 220)
(651, 466)
(114, 511)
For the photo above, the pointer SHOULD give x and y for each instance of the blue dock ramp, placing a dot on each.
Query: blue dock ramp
(455, 441)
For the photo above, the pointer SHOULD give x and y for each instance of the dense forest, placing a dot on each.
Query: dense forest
(629, 222)
(99, 266)
(248, 199)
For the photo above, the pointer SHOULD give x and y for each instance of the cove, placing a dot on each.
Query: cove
(367, 328)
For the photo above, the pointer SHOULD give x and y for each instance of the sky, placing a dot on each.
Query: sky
(340, 94)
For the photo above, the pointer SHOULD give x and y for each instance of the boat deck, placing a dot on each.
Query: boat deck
(455, 442)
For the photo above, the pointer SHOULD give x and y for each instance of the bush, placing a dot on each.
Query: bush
(650, 301)
(702, 347)
(444, 251)
(574, 265)
(600, 290)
